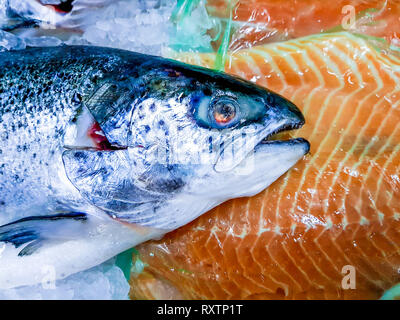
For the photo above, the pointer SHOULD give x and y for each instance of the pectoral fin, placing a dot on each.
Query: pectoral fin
(65, 243)
(33, 231)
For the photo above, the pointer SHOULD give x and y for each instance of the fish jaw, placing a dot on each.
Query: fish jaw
(270, 160)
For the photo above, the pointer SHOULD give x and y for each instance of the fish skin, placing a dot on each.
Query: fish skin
(150, 110)
(338, 207)
(39, 95)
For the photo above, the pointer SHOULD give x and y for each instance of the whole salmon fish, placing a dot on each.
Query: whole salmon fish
(102, 149)
(333, 219)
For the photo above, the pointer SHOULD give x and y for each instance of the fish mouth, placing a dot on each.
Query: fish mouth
(283, 135)
(276, 135)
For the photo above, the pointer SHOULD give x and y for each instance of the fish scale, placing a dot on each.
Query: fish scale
(36, 104)
(338, 207)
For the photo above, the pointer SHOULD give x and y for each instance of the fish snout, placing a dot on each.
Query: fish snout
(303, 143)
(287, 112)
(281, 116)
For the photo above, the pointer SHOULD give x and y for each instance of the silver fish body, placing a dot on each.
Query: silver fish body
(101, 149)
(38, 99)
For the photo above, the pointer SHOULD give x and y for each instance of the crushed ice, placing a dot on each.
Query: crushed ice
(8, 41)
(135, 25)
(104, 282)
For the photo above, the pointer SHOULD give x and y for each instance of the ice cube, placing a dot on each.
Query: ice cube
(3, 12)
(8, 41)
(43, 41)
(104, 282)
(132, 25)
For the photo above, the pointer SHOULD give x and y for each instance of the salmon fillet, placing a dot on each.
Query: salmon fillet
(339, 206)
(262, 21)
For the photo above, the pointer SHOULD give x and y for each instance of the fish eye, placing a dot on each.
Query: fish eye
(224, 111)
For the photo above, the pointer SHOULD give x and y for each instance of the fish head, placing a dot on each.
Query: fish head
(186, 140)
(216, 129)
